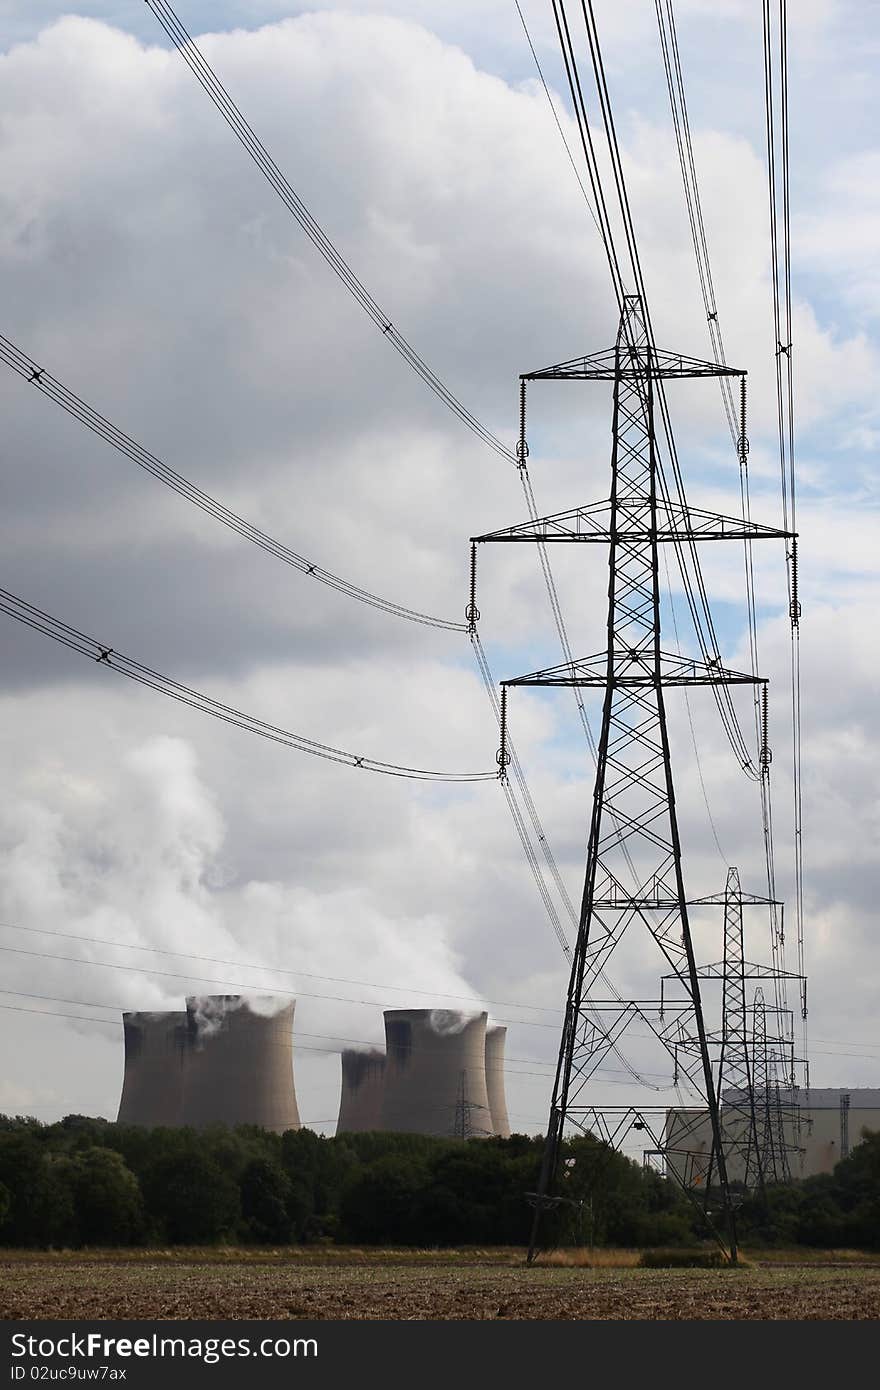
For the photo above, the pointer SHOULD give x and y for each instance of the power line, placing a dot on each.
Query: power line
(56, 391)
(238, 985)
(779, 192)
(736, 420)
(688, 559)
(105, 655)
(396, 989)
(213, 87)
(117, 1023)
(294, 1042)
(274, 969)
(552, 106)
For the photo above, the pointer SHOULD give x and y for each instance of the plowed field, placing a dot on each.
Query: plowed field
(176, 1287)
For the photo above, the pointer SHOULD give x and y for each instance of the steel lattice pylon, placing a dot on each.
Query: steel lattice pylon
(768, 1055)
(739, 1119)
(634, 862)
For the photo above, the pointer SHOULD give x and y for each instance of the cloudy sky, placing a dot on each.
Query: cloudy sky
(147, 265)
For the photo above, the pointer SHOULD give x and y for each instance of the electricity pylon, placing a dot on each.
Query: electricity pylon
(749, 1061)
(634, 861)
(768, 1053)
(736, 1091)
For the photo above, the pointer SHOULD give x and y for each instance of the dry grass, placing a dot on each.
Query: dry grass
(805, 1255)
(318, 1256)
(583, 1257)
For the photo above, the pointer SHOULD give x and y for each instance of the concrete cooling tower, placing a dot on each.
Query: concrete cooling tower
(240, 1065)
(495, 1039)
(156, 1047)
(218, 1063)
(435, 1073)
(363, 1084)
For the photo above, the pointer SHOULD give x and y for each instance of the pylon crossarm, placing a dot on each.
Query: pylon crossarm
(635, 668)
(591, 525)
(638, 363)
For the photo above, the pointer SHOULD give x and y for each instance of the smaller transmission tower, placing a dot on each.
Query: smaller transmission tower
(739, 1121)
(773, 1141)
(844, 1125)
(463, 1127)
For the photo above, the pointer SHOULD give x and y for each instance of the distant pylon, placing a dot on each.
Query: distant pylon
(463, 1127)
(739, 1122)
(772, 1142)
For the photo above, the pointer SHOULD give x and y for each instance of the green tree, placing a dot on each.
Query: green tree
(41, 1210)
(107, 1199)
(265, 1198)
(380, 1205)
(189, 1199)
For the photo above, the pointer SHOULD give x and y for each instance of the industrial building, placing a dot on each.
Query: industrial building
(239, 1068)
(156, 1048)
(435, 1073)
(228, 1060)
(496, 1039)
(442, 1074)
(220, 1062)
(363, 1084)
(816, 1129)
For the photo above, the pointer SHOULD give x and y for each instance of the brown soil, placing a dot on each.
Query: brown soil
(189, 1287)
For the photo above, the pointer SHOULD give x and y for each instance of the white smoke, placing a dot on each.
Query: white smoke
(209, 1012)
(449, 1021)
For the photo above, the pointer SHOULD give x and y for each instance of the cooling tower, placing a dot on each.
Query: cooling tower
(495, 1040)
(363, 1084)
(240, 1065)
(435, 1073)
(156, 1047)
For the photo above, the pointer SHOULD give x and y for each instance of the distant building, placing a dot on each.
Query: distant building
(442, 1074)
(435, 1073)
(363, 1085)
(156, 1047)
(818, 1129)
(221, 1062)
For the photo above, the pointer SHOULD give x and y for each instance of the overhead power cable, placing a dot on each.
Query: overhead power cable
(274, 969)
(364, 1042)
(550, 102)
(735, 413)
(779, 183)
(263, 989)
(56, 391)
(295, 1043)
(213, 87)
(32, 372)
(108, 656)
(686, 552)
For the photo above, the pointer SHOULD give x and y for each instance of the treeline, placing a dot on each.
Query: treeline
(839, 1210)
(85, 1182)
